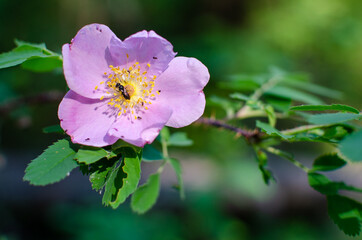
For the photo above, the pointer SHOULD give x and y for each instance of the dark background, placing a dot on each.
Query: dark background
(225, 195)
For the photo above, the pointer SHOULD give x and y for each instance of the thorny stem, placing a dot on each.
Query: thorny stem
(288, 157)
(249, 135)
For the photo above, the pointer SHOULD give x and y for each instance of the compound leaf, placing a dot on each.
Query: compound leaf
(346, 213)
(54, 164)
(328, 162)
(146, 195)
(350, 146)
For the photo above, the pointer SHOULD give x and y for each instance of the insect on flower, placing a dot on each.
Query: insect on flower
(123, 91)
(127, 89)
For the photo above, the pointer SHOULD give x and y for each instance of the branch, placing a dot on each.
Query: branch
(251, 136)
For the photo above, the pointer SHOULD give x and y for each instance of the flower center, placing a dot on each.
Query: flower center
(129, 91)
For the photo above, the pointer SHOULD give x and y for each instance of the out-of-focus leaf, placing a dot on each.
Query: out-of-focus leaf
(176, 165)
(294, 94)
(239, 96)
(325, 186)
(179, 139)
(54, 164)
(226, 104)
(333, 107)
(271, 130)
(346, 213)
(243, 83)
(314, 88)
(280, 104)
(35, 45)
(328, 162)
(89, 155)
(351, 146)
(335, 132)
(19, 55)
(34, 57)
(263, 160)
(146, 195)
(151, 154)
(332, 118)
(53, 129)
(43, 64)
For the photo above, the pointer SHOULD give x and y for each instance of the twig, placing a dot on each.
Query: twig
(250, 135)
(42, 98)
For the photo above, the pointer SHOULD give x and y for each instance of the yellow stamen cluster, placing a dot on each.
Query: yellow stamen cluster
(128, 90)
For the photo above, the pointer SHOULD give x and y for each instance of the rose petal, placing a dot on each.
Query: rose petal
(86, 120)
(86, 59)
(142, 131)
(181, 89)
(143, 47)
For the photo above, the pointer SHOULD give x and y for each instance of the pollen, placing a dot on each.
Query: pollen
(129, 89)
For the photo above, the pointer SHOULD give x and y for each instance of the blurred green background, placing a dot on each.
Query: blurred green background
(226, 197)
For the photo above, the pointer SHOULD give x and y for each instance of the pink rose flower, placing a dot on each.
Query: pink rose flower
(127, 89)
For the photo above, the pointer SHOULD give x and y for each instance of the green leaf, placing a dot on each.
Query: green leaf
(176, 165)
(345, 213)
(325, 186)
(242, 83)
(280, 104)
(313, 88)
(122, 144)
(263, 160)
(294, 94)
(146, 195)
(335, 132)
(333, 107)
(99, 171)
(34, 57)
(19, 55)
(124, 179)
(90, 155)
(19, 43)
(239, 96)
(351, 146)
(54, 164)
(113, 182)
(332, 118)
(151, 154)
(270, 130)
(53, 129)
(43, 64)
(226, 104)
(328, 162)
(179, 139)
